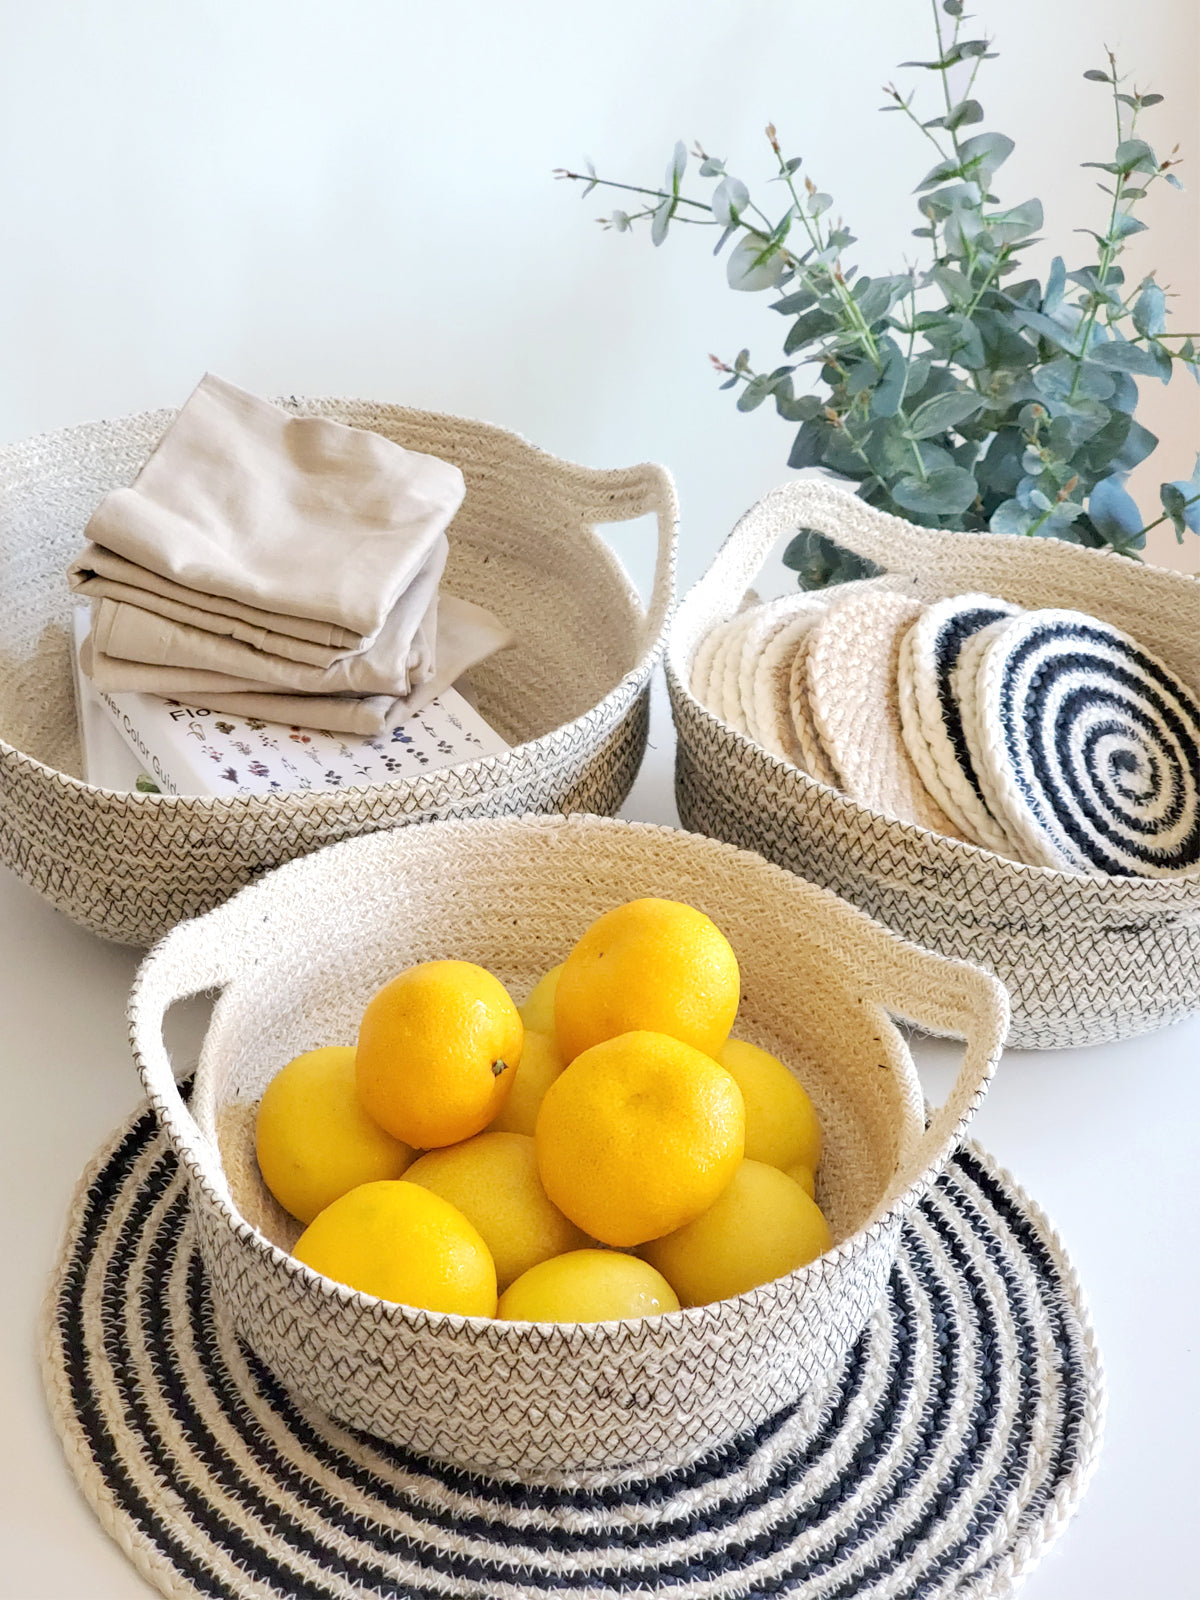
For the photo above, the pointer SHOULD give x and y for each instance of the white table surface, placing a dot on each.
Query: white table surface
(1106, 1140)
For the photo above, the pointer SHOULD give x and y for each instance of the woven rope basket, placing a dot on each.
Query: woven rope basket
(571, 696)
(298, 955)
(1085, 957)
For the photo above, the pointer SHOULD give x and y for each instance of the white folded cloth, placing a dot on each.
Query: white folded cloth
(261, 555)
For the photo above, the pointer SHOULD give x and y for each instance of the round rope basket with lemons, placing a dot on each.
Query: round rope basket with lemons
(604, 1151)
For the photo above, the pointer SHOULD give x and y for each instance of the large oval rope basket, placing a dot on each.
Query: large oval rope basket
(298, 955)
(1085, 957)
(571, 696)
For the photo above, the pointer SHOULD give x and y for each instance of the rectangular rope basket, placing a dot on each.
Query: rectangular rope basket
(1085, 957)
(571, 696)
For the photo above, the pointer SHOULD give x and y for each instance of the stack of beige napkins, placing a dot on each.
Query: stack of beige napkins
(279, 567)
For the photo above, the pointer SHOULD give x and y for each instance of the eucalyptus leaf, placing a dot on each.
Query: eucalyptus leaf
(1125, 225)
(814, 324)
(1175, 504)
(729, 199)
(962, 115)
(889, 391)
(942, 412)
(1135, 155)
(754, 263)
(1011, 517)
(1123, 356)
(946, 492)
(1056, 285)
(1113, 509)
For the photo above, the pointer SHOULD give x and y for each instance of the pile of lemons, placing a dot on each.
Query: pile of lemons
(604, 1151)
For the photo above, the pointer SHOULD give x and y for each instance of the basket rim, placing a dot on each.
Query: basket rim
(940, 850)
(193, 1148)
(504, 770)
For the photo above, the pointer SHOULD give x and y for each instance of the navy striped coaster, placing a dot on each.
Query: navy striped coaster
(1086, 746)
(952, 1448)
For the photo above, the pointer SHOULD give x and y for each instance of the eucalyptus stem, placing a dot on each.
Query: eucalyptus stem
(952, 393)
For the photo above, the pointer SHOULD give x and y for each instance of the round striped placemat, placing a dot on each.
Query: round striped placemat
(947, 1454)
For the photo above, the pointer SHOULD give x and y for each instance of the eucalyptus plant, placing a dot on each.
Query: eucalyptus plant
(955, 393)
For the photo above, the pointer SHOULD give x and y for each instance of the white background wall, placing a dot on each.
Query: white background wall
(356, 197)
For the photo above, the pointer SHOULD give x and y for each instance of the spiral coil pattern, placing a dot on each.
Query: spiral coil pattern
(1087, 748)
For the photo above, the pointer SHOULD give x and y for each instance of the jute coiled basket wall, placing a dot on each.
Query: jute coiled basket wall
(571, 696)
(1086, 958)
(297, 956)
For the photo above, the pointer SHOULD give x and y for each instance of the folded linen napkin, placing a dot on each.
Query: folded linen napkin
(299, 517)
(466, 635)
(398, 658)
(285, 567)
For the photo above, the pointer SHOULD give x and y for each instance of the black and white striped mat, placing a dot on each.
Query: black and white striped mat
(951, 1450)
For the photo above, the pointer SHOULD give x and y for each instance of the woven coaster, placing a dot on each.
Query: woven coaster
(952, 1448)
(702, 663)
(723, 689)
(815, 760)
(1086, 746)
(772, 675)
(768, 619)
(929, 713)
(854, 701)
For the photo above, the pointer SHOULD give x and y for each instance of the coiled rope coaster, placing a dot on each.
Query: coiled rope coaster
(854, 702)
(950, 1451)
(1086, 747)
(772, 677)
(930, 717)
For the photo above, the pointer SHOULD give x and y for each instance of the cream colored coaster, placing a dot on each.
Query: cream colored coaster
(816, 761)
(772, 676)
(768, 620)
(852, 669)
(726, 669)
(702, 663)
(930, 716)
(964, 679)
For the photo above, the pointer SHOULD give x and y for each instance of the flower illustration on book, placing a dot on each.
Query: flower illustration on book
(230, 775)
(225, 727)
(299, 737)
(242, 746)
(400, 737)
(260, 769)
(333, 779)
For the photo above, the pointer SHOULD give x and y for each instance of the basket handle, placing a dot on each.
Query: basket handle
(934, 991)
(637, 492)
(193, 958)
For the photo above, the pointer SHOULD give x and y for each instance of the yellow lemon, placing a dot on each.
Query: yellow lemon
(760, 1228)
(649, 966)
(781, 1124)
(493, 1180)
(438, 1048)
(541, 1063)
(313, 1139)
(537, 1013)
(402, 1242)
(639, 1135)
(587, 1286)
(804, 1176)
